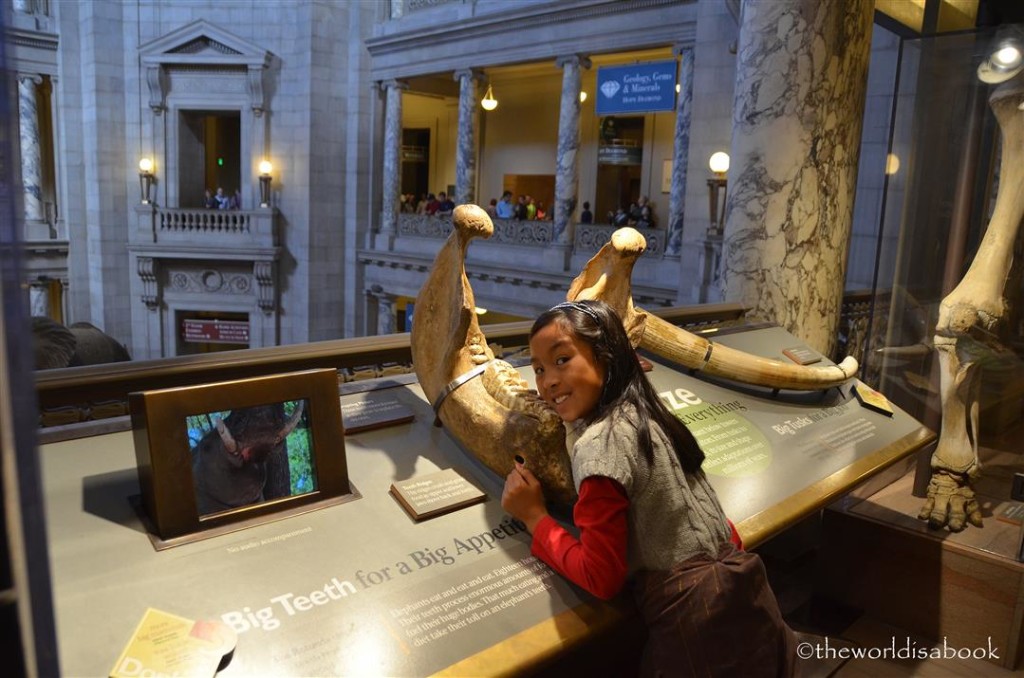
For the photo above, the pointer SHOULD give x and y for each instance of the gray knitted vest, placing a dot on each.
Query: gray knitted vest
(673, 515)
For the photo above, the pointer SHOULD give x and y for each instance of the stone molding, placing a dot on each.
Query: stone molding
(201, 44)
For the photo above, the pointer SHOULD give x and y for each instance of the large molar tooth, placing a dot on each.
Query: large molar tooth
(504, 384)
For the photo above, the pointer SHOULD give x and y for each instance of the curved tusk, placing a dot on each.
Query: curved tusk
(687, 349)
(225, 435)
(607, 276)
(447, 342)
(293, 421)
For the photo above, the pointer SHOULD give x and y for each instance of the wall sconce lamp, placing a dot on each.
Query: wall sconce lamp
(145, 179)
(489, 103)
(719, 164)
(583, 96)
(1005, 60)
(265, 169)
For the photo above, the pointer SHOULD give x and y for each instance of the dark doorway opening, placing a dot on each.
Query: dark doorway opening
(209, 155)
(415, 162)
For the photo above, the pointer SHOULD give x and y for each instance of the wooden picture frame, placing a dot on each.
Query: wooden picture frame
(199, 478)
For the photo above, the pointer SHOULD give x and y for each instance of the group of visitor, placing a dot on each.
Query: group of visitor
(523, 209)
(639, 214)
(219, 201)
(430, 204)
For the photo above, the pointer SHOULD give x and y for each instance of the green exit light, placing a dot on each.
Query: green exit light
(220, 162)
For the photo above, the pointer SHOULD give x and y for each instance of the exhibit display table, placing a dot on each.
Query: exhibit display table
(361, 589)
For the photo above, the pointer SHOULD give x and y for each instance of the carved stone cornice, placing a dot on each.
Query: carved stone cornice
(147, 270)
(624, 24)
(264, 272)
(201, 44)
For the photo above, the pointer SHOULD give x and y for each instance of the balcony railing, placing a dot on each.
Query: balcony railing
(589, 237)
(189, 228)
(227, 222)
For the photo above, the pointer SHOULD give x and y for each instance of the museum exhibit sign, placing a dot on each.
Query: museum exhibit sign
(636, 88)
(359, 588)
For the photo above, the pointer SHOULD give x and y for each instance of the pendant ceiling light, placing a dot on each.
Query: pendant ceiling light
(489, 102)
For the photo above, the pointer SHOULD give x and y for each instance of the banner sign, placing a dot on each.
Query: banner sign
(637, 88)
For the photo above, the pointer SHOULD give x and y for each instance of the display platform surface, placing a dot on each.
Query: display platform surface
(361, 589)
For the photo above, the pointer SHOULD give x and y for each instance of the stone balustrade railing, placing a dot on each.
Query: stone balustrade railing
(206, 228)
(589, 237)
(199, 221)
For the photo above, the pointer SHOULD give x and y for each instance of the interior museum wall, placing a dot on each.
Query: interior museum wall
(441, 116)
(106, 125)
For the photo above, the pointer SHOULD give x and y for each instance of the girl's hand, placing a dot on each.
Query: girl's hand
(523, 496)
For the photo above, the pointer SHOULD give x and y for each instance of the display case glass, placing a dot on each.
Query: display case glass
(943, 187)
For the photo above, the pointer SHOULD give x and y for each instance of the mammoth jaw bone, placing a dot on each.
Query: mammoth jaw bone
(496, 416)
(607, 277)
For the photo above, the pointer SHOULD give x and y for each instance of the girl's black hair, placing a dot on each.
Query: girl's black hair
(597, 324)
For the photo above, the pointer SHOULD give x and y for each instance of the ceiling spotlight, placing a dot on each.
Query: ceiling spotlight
(1005, 61)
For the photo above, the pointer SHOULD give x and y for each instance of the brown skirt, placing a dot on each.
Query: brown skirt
(712, 617)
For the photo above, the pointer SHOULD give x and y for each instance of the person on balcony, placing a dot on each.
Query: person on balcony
(521, 212)
(223, 202)
(445, 205)
(586, 217)
(432, 205)
(504, 207)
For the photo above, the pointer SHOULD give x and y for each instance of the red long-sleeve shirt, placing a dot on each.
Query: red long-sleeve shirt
(597, 560)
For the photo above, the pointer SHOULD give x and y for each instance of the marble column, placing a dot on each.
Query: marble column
(567, 161)
(31, 150)
(39, 298)
(801, 79)
(680, 153)
(392, 160)
(386, 317)
(465, 149)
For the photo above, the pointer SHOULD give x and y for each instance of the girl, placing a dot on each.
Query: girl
(645, 508)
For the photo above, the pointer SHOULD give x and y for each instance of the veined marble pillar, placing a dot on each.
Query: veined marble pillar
(801, 78)
(680, 153)
(465, 150)
(386, 318)
(567, 163)
(39, 298)
(392, 161)
(31, 151)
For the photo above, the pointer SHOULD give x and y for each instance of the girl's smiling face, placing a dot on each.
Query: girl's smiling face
(569, 377)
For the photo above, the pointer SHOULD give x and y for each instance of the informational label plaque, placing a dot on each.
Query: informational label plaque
(435, 494)
(370, 413)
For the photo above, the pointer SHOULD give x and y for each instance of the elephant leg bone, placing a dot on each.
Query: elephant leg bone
(496, 416)
(955, 463)
(977, 301)
(607, 276)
